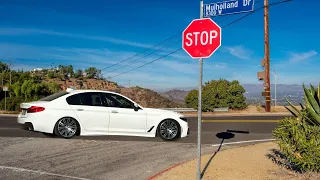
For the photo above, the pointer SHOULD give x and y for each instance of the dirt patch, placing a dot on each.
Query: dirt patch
(243, 163)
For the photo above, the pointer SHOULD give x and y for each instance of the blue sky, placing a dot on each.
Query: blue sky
(36, 33)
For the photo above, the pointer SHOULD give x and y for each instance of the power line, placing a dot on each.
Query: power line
(133, 62)
(147, 49)
(141, 52)
(255, 11)
(165, 47)
(148, 63)
(181, 48)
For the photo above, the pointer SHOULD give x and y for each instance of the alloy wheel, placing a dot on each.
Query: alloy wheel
(168, 130)
(67, 127)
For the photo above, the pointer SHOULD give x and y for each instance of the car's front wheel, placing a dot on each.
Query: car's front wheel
(66, 127)
(169, 130)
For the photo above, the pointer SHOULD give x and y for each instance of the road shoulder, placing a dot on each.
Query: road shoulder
(246, 162)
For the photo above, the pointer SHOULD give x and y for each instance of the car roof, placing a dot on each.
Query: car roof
(90, 90)
(74, 91)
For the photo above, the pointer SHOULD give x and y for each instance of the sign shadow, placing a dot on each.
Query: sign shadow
(221, 135)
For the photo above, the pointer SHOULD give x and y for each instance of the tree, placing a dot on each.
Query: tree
(93, 72)
(217, 94)
(70, 70)
(78, 73)
(191, 100)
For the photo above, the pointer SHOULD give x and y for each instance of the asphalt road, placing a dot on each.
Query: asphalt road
(114, 157)
(255, 127)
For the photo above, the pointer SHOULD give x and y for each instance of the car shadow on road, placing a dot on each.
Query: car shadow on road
(221, 135)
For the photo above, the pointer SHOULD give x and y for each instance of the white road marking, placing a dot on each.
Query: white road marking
(40, 172)
(242, 142)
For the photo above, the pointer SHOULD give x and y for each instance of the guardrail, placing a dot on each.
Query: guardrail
(180, 109)
(224, 109)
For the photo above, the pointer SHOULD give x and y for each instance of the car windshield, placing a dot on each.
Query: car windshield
(54, 96)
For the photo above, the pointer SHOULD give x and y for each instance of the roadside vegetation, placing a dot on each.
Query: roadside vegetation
(299, 137)
(31, 85)
(218, 94)
(26, 86)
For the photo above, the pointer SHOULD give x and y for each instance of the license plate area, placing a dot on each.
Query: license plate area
(23, 112)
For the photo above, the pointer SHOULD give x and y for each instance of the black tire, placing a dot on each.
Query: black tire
(166, 126)
(49, 135)
(67, 127)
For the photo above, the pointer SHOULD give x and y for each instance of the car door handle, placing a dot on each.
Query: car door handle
(79, 109)
(114, 111)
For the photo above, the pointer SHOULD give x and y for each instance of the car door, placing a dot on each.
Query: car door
(92, 113)
(123, 118)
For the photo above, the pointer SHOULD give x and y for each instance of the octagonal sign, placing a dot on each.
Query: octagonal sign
(201, 38)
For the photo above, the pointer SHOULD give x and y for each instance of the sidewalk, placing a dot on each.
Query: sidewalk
(242, 163)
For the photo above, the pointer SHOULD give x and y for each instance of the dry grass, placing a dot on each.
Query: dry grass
(242, 163)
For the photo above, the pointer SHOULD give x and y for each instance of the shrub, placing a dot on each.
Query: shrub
(217, 94)
(300, 144)
(299, 137)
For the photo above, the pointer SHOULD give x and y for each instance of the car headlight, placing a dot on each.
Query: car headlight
(184, 118)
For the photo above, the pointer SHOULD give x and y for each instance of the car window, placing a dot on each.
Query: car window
(54, 96)
(74, 100)
(113, 100)
(85, 99)
(90, 99)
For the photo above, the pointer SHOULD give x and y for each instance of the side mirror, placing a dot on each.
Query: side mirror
(136, 107)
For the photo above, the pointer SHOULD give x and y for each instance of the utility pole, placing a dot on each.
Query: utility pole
(2, 76)
(9, 68)
(275, 87)
(267, 55)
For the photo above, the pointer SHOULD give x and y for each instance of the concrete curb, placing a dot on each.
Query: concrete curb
(214, 145)
(168, 169)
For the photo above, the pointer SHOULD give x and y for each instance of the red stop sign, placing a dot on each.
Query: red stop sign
(201, 38)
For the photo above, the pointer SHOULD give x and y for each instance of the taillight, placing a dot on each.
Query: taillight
(34, 109)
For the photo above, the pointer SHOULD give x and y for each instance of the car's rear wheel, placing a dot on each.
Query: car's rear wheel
(169, 130)
(66, 127)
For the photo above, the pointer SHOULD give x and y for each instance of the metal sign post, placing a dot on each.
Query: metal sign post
(200, 106)
(200, 40)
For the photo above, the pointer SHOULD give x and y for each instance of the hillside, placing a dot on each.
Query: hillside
(148, 98)
(253, 93)
(144, 97)
(175, 95)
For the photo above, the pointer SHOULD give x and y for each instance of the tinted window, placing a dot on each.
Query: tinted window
(74, 100)
(113, 100)
(90, 99)
(54, 96)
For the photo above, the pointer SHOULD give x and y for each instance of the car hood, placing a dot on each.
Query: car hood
(161, 112)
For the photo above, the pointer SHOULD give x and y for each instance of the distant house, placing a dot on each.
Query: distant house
(84, 74)
(37, 69)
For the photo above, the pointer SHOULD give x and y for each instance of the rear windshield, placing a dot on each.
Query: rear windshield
(54, 96)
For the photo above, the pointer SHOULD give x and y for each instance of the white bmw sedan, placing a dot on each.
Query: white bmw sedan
(94, 112)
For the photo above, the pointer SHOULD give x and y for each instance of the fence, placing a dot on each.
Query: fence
(180, 109)
(224, 109)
